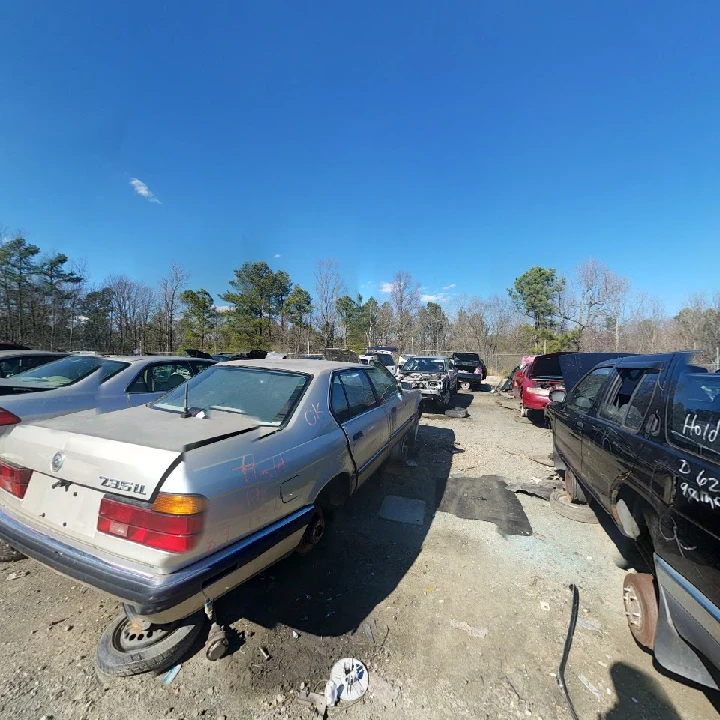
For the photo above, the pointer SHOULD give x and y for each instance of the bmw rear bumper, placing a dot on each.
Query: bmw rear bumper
(149, 594)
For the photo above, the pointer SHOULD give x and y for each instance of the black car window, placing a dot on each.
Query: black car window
(640, 402)
(617, 402)
(694, 413)
(383, 381)
(582, 396)
(359, 393)
(338, 401)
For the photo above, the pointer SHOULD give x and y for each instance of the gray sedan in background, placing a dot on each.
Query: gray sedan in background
(85, 382)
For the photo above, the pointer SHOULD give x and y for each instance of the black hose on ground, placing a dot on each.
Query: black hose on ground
(566, 650)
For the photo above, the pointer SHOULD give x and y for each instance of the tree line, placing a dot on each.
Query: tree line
(46, 301)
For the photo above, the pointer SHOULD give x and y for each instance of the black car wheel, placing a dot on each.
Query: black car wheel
(131, 646)
(313, 534)
(641, 607)
(573, 489)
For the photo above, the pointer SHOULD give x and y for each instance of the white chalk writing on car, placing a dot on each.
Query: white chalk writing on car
(699, 431)
(684, 467)
(700, 496)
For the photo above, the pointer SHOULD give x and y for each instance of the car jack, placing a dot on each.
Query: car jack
(218, 641)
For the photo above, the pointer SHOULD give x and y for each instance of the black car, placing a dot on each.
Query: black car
(471, 369)
(641, 435)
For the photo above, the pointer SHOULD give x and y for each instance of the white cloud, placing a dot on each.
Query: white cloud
(277, 255)
(386, 287)
(223, 308)
(143, 190)
(449, 287)
(437, 298)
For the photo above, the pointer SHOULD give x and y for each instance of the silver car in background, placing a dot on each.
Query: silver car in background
(170, 505)
(84, 382)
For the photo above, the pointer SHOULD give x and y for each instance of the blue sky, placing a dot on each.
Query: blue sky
(462, 141)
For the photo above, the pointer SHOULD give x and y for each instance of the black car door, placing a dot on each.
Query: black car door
(568, 426)
(613, 441)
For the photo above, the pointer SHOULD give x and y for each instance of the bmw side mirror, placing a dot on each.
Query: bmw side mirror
(557, 396)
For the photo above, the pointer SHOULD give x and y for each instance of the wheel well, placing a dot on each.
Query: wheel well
(335, 492)
(637, 520)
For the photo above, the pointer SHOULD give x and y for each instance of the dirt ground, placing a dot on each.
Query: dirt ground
(463, 615)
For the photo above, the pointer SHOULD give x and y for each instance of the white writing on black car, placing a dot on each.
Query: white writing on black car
(699, 431)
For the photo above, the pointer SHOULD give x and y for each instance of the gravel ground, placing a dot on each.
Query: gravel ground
(463, 615)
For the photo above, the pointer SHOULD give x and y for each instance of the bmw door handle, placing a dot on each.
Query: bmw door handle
(357, 435)
(579, 426)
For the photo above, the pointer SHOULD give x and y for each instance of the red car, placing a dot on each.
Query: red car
(534, 381)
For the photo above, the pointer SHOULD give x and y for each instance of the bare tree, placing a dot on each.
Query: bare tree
(171, 287)
(329, 286)
(405, 301)
(595, 298)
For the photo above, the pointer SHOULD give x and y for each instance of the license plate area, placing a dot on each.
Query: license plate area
(70, 508)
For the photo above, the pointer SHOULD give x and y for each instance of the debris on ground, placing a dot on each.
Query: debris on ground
(538, 487)
(314, 700)
(457, 413)
(295, 634)
(331, 693)
(471, 631)
(369, 633)
(264, 652)
(17, 575)
(402, 509)
(544, 605)
(590, 625)
(590, 687)
(171, 674)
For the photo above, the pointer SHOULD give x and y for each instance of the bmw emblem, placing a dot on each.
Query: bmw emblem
(57, 461)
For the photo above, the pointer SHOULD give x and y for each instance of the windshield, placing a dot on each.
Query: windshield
(267, 395)
(467, 357)
(424, 365)
(69, 370)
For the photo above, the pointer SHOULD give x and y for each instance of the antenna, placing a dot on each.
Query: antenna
(185, 412)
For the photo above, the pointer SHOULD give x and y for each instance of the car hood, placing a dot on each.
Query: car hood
(575, 365)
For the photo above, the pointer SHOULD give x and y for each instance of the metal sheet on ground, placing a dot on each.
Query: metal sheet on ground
(486, 498)
(402, 509)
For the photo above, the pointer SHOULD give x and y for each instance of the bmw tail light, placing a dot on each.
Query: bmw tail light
(8, 418)
(173, 523)
(14, 479)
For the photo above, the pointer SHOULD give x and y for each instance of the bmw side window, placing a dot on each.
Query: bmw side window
(582, 396)
(358, 391)
(338, 401)
(385, 384)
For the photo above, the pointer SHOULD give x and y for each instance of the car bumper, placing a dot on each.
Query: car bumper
(148, 593)
(468, 377)
(535, 402)
(687, 640)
